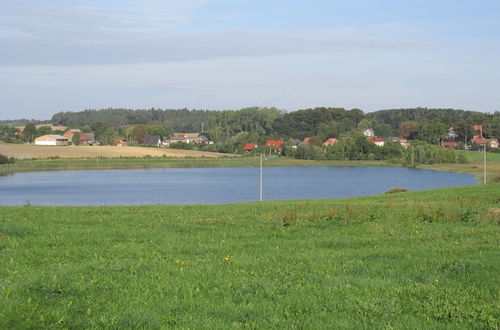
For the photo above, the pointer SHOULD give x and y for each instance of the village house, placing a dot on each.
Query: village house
(330, 142)
(369, 132)
(122, 142)
(449, 144)
(195, 138)
(250, 146)
(452, 134)
(274, 143)
(480, 140)
(401, 141)
(51, 140)
(378, 141)
(85, 138)
(152, 140)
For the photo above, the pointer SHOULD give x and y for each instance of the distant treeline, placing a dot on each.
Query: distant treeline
(231, 129)
(271, 122)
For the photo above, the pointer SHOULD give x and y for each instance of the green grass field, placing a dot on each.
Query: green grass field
(426, 260)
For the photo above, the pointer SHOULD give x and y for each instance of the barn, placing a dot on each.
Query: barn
(51, 140)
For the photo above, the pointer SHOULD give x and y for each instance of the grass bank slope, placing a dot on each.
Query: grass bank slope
(426, 259)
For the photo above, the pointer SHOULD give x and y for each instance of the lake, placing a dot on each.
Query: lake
(213, 185)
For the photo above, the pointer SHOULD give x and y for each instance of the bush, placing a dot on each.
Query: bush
(6, 160)
(396, 190)
(308, 151)
(181, 145)
(461, 158)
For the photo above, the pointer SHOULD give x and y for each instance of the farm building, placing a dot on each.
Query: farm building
(51, 140)
(450, 144)
(378, 141)
(250, 146)
(152, 140)
(330, 142)
(274, 143)
(85, 138)
(369, 132)
(122, 143)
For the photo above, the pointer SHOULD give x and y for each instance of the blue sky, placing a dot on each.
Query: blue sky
(60, 55)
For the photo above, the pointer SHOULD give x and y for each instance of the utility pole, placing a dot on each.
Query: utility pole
(261, 178)
(484, 165)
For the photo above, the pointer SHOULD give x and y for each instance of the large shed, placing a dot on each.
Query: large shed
(51, 140)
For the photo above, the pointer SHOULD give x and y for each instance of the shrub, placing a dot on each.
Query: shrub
(181, 145)
(6, 160)
(308, 151)
(289, 218)
(461, 158)
(396, 190)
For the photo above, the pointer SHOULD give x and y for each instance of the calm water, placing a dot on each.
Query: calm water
(213, 185)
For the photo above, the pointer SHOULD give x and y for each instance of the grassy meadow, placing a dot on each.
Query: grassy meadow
(426, 259)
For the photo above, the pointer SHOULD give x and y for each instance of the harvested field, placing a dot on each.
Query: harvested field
(27, 151)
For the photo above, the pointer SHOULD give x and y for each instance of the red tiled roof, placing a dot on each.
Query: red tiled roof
(250, 146)
(330, 141)
(375, 139)
(450, 144)
(479, 141)
(69, 134)
(274, 143)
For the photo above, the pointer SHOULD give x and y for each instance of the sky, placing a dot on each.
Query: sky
(71, 55)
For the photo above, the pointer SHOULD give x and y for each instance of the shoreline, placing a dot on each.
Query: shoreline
(473, 167)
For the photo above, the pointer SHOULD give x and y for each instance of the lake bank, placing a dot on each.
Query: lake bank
(474, 166)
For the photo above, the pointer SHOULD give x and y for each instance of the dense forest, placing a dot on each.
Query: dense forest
(271, 122)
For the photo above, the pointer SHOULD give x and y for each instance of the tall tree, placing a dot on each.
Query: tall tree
(76, 138)
(30, 132)
(408, 130)
(139, 133)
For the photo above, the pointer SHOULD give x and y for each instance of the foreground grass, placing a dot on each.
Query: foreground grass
(409, 260)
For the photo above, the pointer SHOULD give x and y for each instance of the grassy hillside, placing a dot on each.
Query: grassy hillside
(409, 260)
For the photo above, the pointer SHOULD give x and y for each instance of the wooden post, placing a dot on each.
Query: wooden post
(484, 165)
(261, 178)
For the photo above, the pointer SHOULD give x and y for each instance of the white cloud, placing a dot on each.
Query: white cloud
(51, 32)
(76, 21)
(187, 47)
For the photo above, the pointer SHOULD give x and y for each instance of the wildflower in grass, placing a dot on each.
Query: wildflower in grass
(228, 258)
(180, 262)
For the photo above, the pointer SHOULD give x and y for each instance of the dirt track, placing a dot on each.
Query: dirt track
(22, 151)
